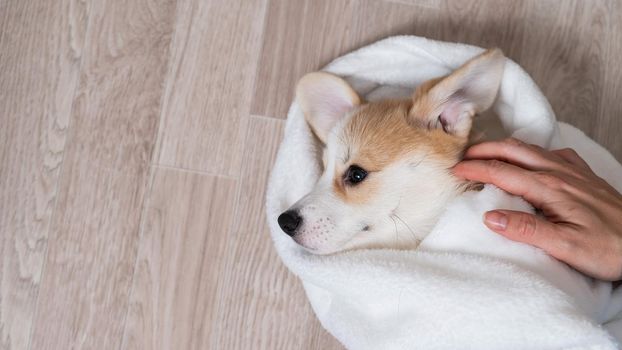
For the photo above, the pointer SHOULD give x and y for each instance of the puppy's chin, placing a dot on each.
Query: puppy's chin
(321, 251)
(315, 248)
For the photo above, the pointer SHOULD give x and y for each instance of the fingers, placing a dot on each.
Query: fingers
(527, 156)
(508, 177)
(528, 228)
(514, 151)
(564, 162)
(571, 156)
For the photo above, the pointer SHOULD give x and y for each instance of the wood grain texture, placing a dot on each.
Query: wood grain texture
(435, 4)
(214, 55)
(607, 125)
(304, 35)
(92, 246)
(295, 43)
(133, 173)
(564, 51)
(257, 296)
(375, 20)
(485, 23)
(179, 262)
(40, 51)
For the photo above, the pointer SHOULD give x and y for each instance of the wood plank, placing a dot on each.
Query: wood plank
(300, 36)
(40, 50)
(435, 4)
(375, 20)
(485, 23)
(564, 51)
(206, 104)
(261, 305)
(92, 246)
(178, 268)
(608, 122)
(86, 283)
(304, 35)
(203, 273)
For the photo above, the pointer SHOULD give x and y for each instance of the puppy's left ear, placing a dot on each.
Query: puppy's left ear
(451, 102)
(325, 99)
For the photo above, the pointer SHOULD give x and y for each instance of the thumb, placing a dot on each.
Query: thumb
(522, 227)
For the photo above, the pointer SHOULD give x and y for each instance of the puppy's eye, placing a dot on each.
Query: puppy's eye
(355, 174)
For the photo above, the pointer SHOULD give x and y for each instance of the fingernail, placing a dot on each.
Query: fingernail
(496, 220)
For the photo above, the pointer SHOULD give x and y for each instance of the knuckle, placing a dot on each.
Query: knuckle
(551, 181)
(569, 151)
(511, 145)
(579, 175)
(564, 251)
(514, 142)
(567, 245)
(496, 164)
(494, 167)
(526, 226)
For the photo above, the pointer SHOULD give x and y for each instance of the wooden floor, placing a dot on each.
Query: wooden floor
(136, 139)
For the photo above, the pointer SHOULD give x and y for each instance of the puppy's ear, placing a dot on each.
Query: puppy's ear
(324, 100)
(451, 102)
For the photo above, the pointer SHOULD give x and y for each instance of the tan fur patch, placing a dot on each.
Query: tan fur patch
(379, 134)
(424, 88)
(427, 102)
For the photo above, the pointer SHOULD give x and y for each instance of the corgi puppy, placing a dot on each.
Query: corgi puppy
(387, 177)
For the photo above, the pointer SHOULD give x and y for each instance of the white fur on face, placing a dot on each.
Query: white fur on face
(403, 200)
(412, 194)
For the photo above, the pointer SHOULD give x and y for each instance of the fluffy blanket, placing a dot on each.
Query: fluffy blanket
(464, 287)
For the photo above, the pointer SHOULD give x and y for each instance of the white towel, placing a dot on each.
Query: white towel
(464, 287)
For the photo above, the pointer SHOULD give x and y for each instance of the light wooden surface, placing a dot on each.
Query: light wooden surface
(41, 45)
(136, 139)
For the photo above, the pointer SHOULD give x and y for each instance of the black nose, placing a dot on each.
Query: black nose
(289, 221)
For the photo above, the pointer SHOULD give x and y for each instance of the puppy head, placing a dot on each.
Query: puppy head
(386, 172)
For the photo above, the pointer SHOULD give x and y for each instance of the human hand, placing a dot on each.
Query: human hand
(582, 224)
